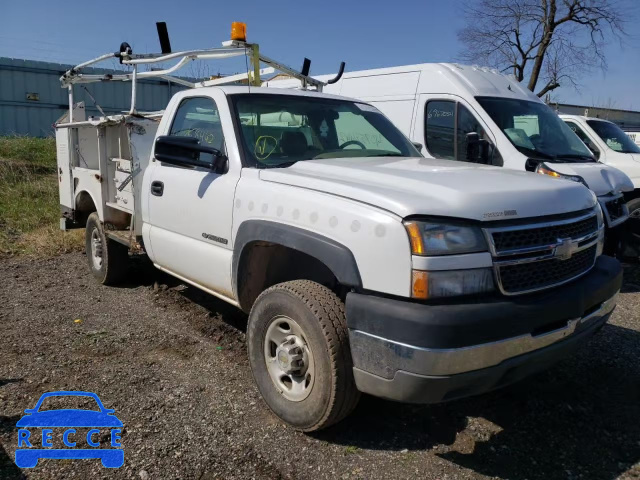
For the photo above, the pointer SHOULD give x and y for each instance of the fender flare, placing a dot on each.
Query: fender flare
(77, 195)
(338, 258)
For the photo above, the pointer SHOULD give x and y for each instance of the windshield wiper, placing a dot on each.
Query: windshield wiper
(388, 154)
(285, 164)
(537, 153)
(585, 158)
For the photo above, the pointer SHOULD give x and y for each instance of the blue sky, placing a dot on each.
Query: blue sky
(364, 34)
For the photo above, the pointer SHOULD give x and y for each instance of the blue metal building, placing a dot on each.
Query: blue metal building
(31, 98)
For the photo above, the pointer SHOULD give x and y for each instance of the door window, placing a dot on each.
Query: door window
(440, 124)
(583, 136)
(198, 117)
(450, 129)
(468, 145)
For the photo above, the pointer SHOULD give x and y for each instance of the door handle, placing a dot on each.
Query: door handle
(157, 188)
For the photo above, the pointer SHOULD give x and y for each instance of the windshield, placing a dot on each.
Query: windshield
(77, 402)
(613, 136)
(279, 130)
(535, 130)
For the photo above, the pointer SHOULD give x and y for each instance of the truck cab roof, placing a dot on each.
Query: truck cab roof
(243, 89)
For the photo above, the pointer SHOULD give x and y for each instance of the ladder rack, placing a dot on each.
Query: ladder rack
(229, 49)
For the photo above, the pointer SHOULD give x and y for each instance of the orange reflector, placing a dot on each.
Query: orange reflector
(415, 237)
(419, 284)
(239, 31)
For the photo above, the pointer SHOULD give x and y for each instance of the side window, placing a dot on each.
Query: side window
(449, 133)
(440, 125)
(468, 145)
(583, 136)
(198, 117)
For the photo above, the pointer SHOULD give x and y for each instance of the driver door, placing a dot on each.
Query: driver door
(190, 208)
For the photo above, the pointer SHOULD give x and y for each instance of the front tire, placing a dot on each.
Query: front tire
(107, 258)
(299, 354)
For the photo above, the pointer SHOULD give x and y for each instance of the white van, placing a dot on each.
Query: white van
(478, 115)
(611, 146)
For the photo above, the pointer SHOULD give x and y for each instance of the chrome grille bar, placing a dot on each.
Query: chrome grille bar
(561, 249)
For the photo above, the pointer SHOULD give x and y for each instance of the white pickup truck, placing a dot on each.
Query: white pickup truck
(363, 266)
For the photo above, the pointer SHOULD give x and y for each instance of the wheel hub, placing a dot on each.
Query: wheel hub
(96, 249)
(289, 359)
(290, 356)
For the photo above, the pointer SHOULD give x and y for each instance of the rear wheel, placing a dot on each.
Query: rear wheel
(107, 259)
(299, 354)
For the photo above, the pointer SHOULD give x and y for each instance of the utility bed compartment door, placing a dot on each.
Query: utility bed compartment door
(63, 172)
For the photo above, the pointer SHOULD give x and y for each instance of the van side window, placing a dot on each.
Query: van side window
(199, 117)
(467, 147)
(440, 123)
(448, 126)
(583, 136)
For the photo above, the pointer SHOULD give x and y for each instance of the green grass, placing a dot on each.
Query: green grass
(29, 203)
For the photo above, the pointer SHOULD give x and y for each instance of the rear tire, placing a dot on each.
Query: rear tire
(299, 354)
(108, 260)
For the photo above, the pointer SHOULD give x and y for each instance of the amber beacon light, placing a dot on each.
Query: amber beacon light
(239, 31)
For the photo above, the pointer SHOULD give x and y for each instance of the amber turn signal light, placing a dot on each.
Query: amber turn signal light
(419, 284)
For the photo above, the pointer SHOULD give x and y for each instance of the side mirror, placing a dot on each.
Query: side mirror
(185, 152)
(418, 146)
(531, 165)
(479, 150)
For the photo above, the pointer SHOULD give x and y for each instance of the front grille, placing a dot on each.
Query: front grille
(538, 237)
(534, 257)
(524, 277)
(616, 209)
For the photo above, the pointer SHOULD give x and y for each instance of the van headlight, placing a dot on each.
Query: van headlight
(545, 169)
(431, 239)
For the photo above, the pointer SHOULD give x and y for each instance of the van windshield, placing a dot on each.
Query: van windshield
(279, 130)
(614, 136)
(535, 130)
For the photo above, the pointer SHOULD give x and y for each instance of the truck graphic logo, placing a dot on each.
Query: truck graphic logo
(565, 248)
(27, 454)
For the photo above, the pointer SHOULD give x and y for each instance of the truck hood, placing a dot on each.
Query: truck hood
(602, 179)
(422, 186)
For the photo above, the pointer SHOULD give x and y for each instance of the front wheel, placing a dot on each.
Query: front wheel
(299, 354)
(107, 259)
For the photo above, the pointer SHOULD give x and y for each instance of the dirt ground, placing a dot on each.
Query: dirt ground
(172, 363)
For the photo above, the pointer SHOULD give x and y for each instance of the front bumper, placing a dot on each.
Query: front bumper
(422, 353)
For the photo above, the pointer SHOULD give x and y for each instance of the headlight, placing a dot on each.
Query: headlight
(442, 239)
(449, 283)
(544, 169)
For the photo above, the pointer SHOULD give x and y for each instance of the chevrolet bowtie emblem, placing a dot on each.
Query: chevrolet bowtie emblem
(565, 248)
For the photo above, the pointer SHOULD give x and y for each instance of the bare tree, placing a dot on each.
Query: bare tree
(550, 40)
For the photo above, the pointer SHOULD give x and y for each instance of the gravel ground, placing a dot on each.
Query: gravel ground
(172, 363)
